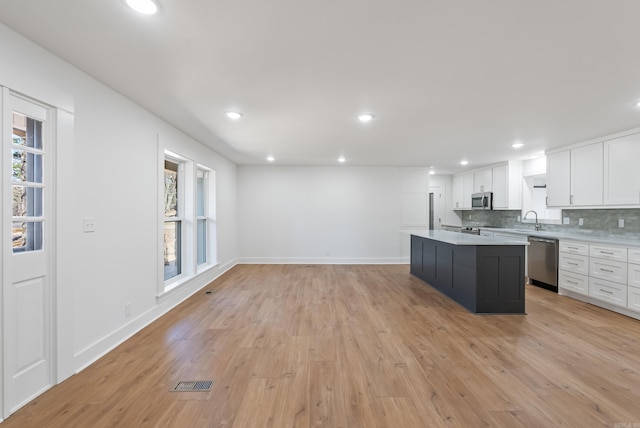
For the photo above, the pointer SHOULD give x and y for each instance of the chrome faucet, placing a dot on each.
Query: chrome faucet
(538, 226)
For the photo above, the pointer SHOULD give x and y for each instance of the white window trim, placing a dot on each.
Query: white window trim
(187, 194)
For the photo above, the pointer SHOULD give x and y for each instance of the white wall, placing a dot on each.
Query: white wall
(109, 171)
(336, 214)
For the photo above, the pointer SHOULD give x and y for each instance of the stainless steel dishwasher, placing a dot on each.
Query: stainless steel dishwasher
(543, 262)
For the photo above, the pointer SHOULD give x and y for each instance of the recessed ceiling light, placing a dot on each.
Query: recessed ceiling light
(365, 117)
(431, 172)
(517, 145)
(464, 162)
(270, 158)
(234, 115)
(146, 7)
(638, 104)
(342, 159)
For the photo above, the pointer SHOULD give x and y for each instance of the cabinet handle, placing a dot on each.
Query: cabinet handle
(572, 282)
(546, 200)
(606, 291)
(606, 270)
(572, 264)
(606, 252)
(572, 248)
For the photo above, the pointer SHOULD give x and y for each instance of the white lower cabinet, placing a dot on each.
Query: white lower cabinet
(633, 275)
(608, 270)
(605, 273)
(608, 291)
(633, 298)
(573, 282)
(573, 263)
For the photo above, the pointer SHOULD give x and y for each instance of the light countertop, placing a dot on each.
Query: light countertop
(457, 238)
(628, 241)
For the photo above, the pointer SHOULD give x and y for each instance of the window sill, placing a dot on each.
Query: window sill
(178, 284)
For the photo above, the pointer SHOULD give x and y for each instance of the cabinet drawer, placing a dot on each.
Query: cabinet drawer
(607, 252)
(633, 298)
(574, 247)
(574, 263)
(633, 275)
(634, 255)
(513, 236)
(609, 270)
(573, 282)
(608, 291)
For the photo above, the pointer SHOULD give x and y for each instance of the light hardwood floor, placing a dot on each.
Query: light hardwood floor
(356, 346)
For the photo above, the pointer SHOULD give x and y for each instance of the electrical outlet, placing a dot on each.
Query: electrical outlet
(580, 222)
(620, 222)
(566, 220)
(88, 224)
(127, 310)
(518, 219)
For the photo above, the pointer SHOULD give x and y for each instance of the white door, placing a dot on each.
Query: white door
(27, 235)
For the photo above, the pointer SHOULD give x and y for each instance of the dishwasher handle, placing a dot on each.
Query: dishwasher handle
(546, 241)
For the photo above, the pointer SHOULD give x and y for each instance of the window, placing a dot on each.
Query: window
(188, 220)
(202, 177)
(172, 220)
(27, 185)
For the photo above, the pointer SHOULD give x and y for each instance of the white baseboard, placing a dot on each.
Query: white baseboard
(95, 351)
(323, 261)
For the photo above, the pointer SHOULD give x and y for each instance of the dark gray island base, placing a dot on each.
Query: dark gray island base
(485, 275)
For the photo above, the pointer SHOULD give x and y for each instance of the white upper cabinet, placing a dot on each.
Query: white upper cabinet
(559, 179)
(574, 177)
(586, 175)
(621, 171)
(483, 181)
(507, 186)
(457, 192)
(462, 190)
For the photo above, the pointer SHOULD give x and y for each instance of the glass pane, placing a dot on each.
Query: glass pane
(26, 166)
(200, 199)
(172, 248)
(27, 201)
(170, 189)
(26, 131)
(26, 236)
(202, 241)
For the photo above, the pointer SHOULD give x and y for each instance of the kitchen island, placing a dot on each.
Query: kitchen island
(483, 274)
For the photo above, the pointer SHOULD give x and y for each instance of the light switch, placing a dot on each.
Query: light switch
(580, 222)
(88, 224)
(620, 222)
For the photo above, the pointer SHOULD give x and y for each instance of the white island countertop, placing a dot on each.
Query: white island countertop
(457, 238)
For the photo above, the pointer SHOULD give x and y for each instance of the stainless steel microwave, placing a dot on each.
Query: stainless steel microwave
(482, 201)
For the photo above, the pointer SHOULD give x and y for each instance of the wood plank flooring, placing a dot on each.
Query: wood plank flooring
(356, 346)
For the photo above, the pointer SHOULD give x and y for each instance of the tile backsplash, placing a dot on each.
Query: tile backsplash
(600, 222)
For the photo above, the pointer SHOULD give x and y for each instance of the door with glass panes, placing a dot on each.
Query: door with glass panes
(27, 250)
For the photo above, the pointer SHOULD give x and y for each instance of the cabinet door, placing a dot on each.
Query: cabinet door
(559, 179)
(586, 175)
(482, 181)
(621, 172)
(500, 187)
(467, 190)
(457, 192)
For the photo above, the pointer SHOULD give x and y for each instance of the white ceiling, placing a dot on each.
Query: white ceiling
(445, 79)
